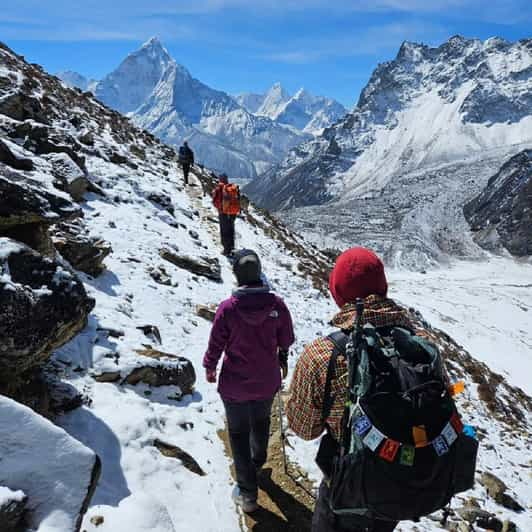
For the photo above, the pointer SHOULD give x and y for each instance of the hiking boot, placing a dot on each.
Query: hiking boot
(246, 502)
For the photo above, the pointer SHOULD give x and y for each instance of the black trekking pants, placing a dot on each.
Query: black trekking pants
(249, 431)
(227, 232)
(325, 521)
(186, 170)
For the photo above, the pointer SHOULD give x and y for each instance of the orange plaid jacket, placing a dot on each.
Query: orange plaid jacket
(305, 401)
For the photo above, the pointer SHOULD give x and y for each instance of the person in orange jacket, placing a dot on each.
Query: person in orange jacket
(226, 199)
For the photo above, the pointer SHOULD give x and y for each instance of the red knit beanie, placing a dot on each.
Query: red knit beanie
(358, 272)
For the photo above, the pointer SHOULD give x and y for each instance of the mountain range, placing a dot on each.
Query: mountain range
(429, 130)
(227, 135)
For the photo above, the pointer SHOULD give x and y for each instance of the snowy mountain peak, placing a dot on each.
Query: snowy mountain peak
(464, 104)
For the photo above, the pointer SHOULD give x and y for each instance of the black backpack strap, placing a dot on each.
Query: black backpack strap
(339, 340)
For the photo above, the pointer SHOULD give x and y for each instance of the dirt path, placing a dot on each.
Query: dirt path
(285, 506)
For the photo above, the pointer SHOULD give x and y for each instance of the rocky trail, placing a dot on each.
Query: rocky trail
(286, 501)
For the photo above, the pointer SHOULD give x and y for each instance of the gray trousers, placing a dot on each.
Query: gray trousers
(249, 432)
(325, 521)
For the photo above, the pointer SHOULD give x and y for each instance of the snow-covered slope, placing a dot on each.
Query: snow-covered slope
(464, 106)
(146, 311)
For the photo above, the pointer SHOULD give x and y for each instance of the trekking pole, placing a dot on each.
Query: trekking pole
(282, 434)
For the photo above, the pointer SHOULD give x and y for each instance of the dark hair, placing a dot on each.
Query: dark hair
(247, 267)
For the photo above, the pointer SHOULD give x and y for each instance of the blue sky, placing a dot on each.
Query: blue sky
(328, 46)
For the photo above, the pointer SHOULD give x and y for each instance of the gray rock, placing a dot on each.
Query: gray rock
(203, 266)
(84, 252)
(9, 158)
(42, 307)
(71, 177)
(179, 373)
(502, 213)
(173, 451)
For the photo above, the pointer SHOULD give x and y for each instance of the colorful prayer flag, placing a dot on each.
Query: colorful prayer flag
(470, 431)
(389, 450)
(456, 422)
(407, 455)
(440, 445)
(362, 425)
(419, 434)
(373, 438)
(449, 434)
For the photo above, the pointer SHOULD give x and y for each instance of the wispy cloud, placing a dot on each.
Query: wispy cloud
(372, 41)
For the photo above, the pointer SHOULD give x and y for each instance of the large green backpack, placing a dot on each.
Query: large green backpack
(405, 451)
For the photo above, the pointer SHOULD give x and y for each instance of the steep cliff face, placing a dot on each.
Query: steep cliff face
(501, 215)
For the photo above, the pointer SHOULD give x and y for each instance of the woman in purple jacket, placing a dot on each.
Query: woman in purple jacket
(254, 329)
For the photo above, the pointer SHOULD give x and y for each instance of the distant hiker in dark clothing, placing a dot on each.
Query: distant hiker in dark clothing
(186, 159)
(226, 199)
(254, 329)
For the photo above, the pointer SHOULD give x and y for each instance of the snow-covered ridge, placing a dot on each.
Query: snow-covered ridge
(465, 105)
(303, 110)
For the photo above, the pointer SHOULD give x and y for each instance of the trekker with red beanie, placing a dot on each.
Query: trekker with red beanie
(358, 273)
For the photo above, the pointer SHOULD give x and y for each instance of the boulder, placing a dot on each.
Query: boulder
(69, 175)
(12, 509)
(56, 472)
(207, 312)
(163, 200)
(42, 306)
(161, 276)
(84, 252)
(24, 202)
(203, 266)
(177, 372)
(9, 158)
(496, 489)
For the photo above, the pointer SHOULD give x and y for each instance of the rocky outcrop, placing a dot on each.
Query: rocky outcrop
(501, 215)
(83, 251)
(42, 306)
(204, 266)
(12, 509)
(69, 175)
(207, 312)
(9, 158)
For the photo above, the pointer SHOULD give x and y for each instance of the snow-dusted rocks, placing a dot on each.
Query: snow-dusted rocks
(12, 508)
(56, 473)
(83, 251)
(502, 214)
(208, 267)
(42, 306)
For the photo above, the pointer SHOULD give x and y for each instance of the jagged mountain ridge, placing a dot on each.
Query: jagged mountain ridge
(137, 202)
(162, 96)
(453, 106)
(303, 110)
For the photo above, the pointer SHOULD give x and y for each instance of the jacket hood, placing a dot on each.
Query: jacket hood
(254, 305)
